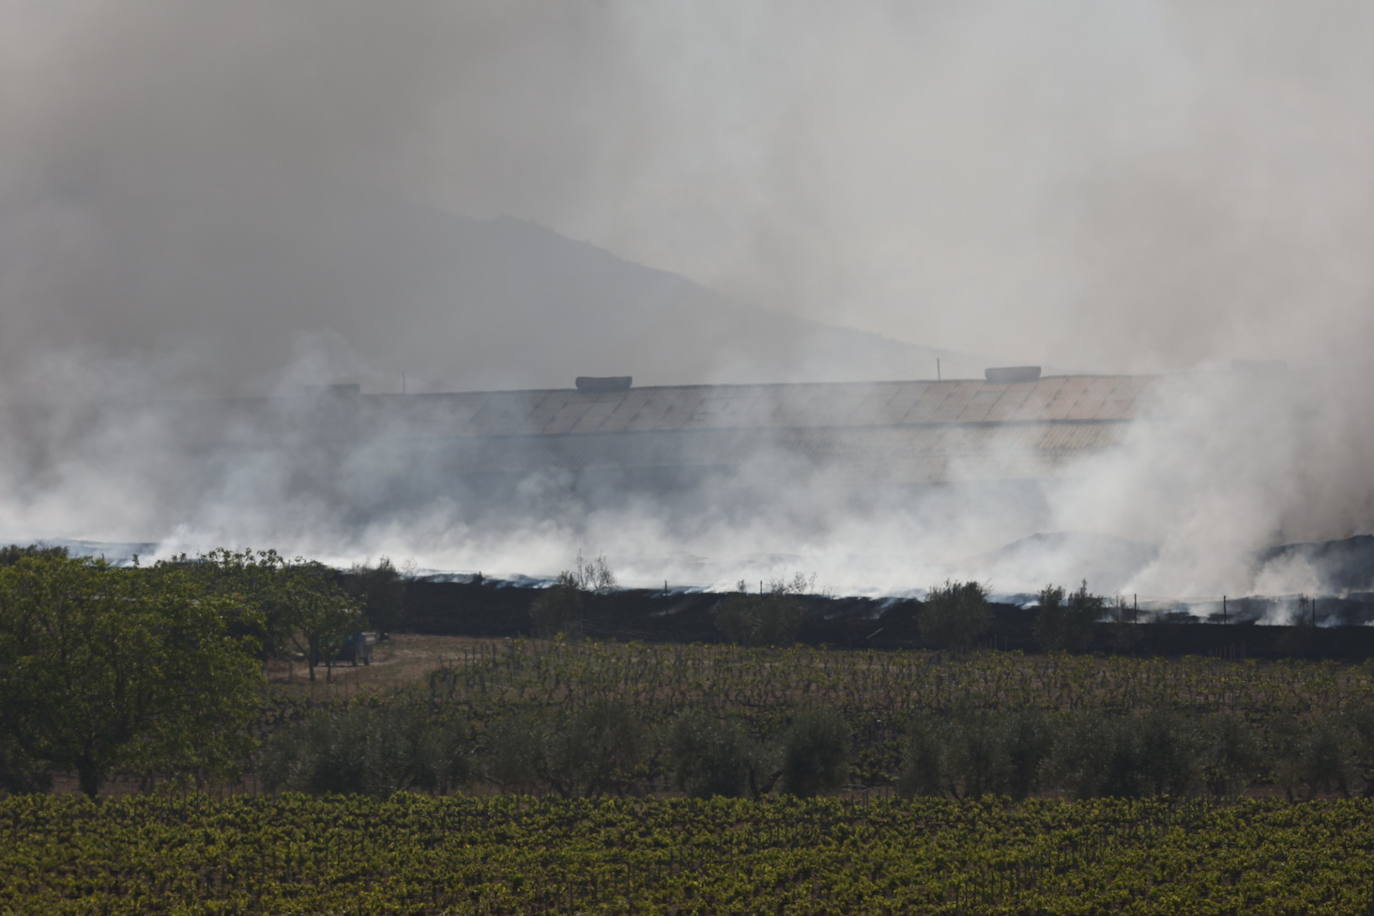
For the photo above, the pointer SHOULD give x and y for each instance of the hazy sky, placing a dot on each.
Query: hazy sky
(1127, 185)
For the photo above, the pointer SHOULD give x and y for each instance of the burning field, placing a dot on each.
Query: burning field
(1184, 491)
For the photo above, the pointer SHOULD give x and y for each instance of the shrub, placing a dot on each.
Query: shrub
(11, 554)
(20, 773)
(974, 753)
(1169, 753)
(954, 616)
(1362, 729)
(815, 753)
(713, 757)
(1067, 625)
(1313, 754)
(924, 759)
(1229, 759)
(1028, 741)
(760, 620)
(369, 750)
(772, 618)
(380, 591)
(515, 752)
(978, 760)
(592, 751)
(1098, 754)
(592, 576)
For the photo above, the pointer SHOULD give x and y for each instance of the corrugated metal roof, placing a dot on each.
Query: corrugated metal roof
(917, 454)
(796, 406)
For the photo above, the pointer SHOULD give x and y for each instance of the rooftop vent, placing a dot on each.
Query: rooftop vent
(1002, 375)
(604, 382)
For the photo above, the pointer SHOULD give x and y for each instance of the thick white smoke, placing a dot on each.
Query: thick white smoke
(227, 198)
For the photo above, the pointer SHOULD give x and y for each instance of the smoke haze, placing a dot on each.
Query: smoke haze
(250, 197)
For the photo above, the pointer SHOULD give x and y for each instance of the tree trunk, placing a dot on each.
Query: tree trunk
(89, 777)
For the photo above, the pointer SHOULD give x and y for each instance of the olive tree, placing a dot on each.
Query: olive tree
(593, 749)
(773, 617)
(815, 753)
(712, 756)
(1065, 623)
(105, 669)
(955, 615)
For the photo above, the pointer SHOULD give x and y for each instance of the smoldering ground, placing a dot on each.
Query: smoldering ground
(1178, 508)
(190, 192)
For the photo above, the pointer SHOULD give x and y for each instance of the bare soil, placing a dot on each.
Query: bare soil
(398, 661)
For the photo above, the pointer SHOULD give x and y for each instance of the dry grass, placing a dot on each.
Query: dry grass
(402, 660)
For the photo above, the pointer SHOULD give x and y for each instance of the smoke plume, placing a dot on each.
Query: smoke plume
(213, 199)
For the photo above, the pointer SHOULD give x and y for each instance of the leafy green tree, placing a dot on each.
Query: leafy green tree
(299, 604)
(13, 553)
(106, 669)
(395, 745)
(380, 592)
(590, 750)
(20, 772)
(771, 618)
(815, 753)
(1313, 753)
(954, 616)
(715, 757)
(251, 579)
(1229, 758)
(973, 753)
(924, 769)
(319, 614)
(1100, 755)
(1171, 750)
(1066, 624)
(1361, 719)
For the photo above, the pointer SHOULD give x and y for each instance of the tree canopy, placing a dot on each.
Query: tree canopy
(955, 615)
(137, 670)
(300, 604)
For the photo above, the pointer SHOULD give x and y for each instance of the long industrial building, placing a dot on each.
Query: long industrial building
(908, 432)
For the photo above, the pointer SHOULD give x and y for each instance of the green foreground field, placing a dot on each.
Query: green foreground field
(414, 853)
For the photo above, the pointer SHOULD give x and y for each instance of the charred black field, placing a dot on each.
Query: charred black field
(491, 608)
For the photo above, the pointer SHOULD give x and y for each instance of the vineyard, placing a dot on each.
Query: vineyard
(564, 774)
(504, 854)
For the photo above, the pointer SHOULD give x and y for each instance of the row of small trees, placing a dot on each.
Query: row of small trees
(602, 746)
(597, 747)
(1087, 754)
(954, 616)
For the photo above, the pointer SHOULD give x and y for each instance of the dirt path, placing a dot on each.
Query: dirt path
(403, 659)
